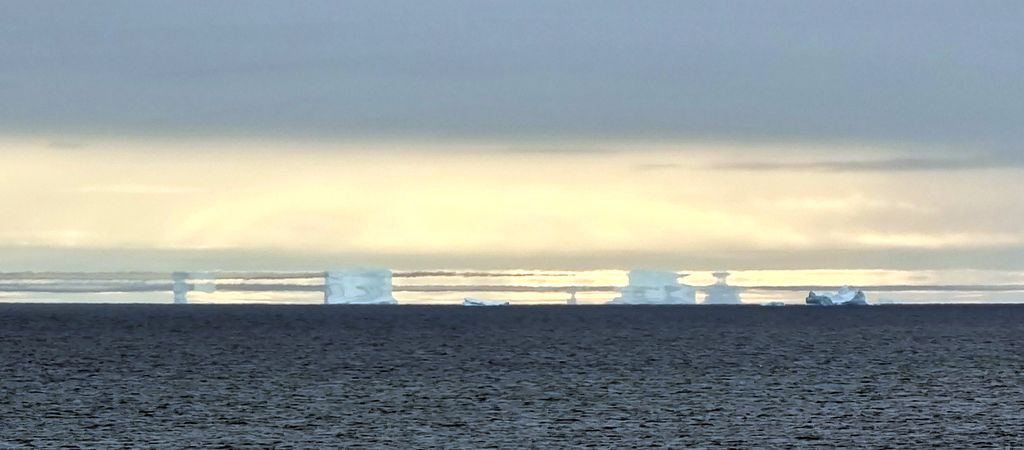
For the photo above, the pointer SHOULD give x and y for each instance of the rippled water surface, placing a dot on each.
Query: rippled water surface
(523, 376)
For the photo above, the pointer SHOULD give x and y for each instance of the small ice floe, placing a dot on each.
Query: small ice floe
(470, 301)
(845, 296)
(776, 303)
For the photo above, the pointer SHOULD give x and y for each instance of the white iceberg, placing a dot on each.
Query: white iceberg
(721, 293)
(470, 301)
(845, 296)
(774, 303)
(649, 287)
(180, 287)
(358, 287)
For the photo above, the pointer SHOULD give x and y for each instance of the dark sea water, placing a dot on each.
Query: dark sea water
(539, 377)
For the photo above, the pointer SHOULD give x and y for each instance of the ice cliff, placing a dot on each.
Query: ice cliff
(654, 287)
(358, 287)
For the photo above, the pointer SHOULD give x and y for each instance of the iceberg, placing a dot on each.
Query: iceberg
(721, 293)
(470, 301)
(358, 287)
(180, 287)
(774, 303)
(845, 296)
(655, 288)
(185, 282)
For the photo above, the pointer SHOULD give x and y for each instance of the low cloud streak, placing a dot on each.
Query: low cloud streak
(878, 165)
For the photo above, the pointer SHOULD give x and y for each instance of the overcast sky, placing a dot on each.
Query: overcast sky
(513, 133)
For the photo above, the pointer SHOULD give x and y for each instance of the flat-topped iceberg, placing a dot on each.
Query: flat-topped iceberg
(470, 301)
(721, 293)
(845, 296)
(358, 287)
(649, 287)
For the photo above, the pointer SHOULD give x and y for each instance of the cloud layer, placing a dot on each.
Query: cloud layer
(515, 132)
(943, 72)
(878, 165)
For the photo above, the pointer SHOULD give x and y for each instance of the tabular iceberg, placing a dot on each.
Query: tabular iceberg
(470, 301)
(358, 287)
(845, 296)
(655, 288)
(721, 293)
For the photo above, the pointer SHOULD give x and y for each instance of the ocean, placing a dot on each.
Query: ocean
(332, 376)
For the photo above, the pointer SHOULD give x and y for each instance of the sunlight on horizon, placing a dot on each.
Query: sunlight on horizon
(397, 198)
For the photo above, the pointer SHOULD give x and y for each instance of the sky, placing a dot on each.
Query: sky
(511, 134)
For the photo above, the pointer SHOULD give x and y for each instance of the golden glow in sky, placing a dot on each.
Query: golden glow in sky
(483, 198)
